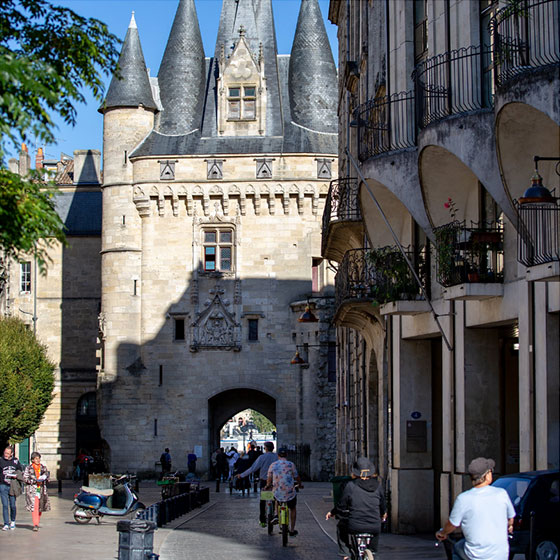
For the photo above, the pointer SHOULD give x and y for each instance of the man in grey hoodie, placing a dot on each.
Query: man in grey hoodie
(361, 508)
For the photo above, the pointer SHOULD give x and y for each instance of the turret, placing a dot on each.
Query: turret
(312, 74)
(182, 74)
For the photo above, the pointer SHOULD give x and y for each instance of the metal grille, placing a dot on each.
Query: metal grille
(385, 124)
(453, 83)
(538, 237)
(300, 455)
(525, 36)
(469, 254)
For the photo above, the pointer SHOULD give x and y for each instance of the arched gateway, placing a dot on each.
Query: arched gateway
(224, 405)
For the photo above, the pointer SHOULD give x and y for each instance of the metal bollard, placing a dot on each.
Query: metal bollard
(136, 539)
(60, 486)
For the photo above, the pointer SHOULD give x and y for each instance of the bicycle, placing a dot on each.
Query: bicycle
(282, 517)
(359, 546)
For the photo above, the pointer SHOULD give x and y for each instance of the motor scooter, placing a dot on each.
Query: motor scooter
(120, 500)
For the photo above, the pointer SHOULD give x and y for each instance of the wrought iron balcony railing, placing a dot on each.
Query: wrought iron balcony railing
(452, 83)
(538, 235)
(342, 205)
(386, 124)
(379, 276)
(469, 254)
(525, 37)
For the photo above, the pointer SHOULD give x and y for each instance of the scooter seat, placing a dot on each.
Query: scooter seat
(98, 491)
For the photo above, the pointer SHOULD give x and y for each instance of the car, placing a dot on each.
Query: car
(536, 498)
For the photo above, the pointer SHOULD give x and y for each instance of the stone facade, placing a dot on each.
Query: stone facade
(442, 127)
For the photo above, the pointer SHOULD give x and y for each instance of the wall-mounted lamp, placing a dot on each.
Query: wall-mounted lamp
(537, 193)
(308, 316)
(297, 359)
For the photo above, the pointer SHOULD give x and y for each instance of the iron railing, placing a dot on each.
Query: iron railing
(453, 83)
(469, 254)
(386, 124)
(380, 275)
(538, 236)
(525, 36)
(342, 204)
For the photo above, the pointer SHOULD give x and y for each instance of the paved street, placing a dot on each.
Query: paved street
(227, 528)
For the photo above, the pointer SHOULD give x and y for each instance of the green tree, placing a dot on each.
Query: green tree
(49, 56)
(263, 424)
(26, 378)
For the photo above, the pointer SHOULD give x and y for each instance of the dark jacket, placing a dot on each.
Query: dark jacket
(364, 502)
(8, 467)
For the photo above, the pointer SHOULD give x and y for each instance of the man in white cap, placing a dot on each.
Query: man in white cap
(484, 513)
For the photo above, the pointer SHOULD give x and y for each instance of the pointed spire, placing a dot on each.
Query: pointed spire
(312, 74)
(131, 87)
(182, 74)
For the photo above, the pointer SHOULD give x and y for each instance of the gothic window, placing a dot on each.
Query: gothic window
(323, 168)
(179, 328)
(25, 277)
(217, 249)
(242, 102)
(264, 168)
(215, 169)
(167, 170)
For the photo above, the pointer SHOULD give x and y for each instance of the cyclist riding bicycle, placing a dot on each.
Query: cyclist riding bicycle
(282, 478)
(260, 466)
(361, 508)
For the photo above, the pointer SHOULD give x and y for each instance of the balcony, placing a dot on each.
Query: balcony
(342, 219)
(470, 260)
(538, 239)
(373, 277)
(525, 37)
(386, 124)
(453, 83)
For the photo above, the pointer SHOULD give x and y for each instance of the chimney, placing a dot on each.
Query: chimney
(24, 161)
(87, 166)
(39, 159)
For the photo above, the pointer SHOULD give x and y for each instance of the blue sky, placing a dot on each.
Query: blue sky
(154, 19)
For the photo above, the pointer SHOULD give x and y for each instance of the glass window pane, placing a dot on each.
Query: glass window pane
(209, 251)
(249, 110)
(234, 92)
(209, 237)
(234, 111)
(225, 258)
(209, 258)
(253, 329)
(225, 236)
(249, 92)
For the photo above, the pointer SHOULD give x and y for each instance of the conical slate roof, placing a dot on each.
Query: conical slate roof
(131, 87)
(182, 74)
(312, 77)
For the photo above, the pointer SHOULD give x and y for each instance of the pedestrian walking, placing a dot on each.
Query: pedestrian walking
(36, 477)
(221, 465)
(232, 457)
(484, 513)
(165, 461)
(361, 509)
(9, 468)
(191, 462)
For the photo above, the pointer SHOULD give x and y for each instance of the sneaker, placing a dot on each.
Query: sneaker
(275, 520)
(263, 524)
(35, 528)
(293, 533)
(13, 525)
(6, 528)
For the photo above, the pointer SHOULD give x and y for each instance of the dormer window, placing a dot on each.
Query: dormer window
(242, 103)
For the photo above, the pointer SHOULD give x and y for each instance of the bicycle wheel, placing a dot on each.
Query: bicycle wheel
(368, 555)
(284, 535)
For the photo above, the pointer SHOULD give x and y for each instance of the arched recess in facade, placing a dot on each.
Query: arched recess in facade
(540, 137)
(224, 405)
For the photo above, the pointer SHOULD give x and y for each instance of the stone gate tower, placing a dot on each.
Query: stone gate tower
(215, 176)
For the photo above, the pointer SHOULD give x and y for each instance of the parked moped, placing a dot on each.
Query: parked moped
(118, 501)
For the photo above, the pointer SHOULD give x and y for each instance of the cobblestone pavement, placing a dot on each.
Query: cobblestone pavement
(227, 528)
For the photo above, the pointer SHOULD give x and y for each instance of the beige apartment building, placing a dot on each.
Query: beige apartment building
(208, 252)
(442, 108)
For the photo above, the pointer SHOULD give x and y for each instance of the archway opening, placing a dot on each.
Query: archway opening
(245, 428)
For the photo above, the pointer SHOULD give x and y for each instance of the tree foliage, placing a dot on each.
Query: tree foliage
(26, 378)
(49, 56)
(263, 424)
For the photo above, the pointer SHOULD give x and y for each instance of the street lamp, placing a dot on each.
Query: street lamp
(537, 193)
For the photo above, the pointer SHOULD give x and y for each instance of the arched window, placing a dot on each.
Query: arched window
(87, 407)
